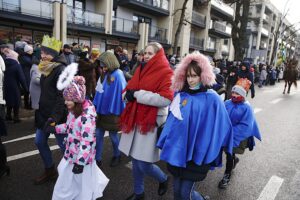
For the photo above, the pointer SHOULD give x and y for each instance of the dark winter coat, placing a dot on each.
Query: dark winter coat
(13, 78)
(88, 71)
(247, 74)
(51, 104)
(26, 63)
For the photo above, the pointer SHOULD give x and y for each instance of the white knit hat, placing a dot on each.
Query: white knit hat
(27, 48)
(240, 90)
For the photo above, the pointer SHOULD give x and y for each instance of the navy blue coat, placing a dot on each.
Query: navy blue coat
(13, 79)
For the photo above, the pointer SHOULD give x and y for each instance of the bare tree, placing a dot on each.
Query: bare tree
(183, 21)
(239, 26)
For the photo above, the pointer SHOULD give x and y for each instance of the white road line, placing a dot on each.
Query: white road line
(271, 189)
(29, 153)
(25, 138)
(256, 110)
(276, 100)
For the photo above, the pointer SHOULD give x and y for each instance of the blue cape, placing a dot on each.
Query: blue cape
(200, 135)
(110, 101)
(243, 123)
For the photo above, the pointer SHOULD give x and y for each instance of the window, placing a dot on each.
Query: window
(23, 35)
(6, 34)
(142, 19)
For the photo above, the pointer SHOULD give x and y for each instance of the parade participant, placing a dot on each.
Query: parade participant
(79, 176)
(244, 129)
(196, 129)
(147, 94)
(14, 77)
(109, 105)
(4, 168)
(245, 73)
(52, 109)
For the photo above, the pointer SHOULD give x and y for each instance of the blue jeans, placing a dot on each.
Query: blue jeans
(114, 138)
(140, 169)
(41, 141)
(184, 190)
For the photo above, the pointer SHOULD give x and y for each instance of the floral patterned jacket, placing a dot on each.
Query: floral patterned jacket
(81, 139)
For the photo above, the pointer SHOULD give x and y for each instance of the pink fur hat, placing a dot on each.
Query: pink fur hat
(207, 75)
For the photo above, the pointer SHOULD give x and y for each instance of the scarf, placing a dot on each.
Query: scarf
(237, 99)
(155, 77)
(46, 67)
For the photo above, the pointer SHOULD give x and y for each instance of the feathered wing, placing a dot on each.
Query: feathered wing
(66, 77)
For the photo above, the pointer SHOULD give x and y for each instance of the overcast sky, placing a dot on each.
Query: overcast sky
(293, 7)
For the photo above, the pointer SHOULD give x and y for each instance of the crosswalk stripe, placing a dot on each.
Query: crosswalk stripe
(271, 189)
(29, 153)
(276, 100)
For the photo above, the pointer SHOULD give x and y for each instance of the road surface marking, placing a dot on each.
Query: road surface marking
(129, 165)
(29, 153)
(25, 138)
(256, 110)
(271, 189)
(52, 136)
(276, 100)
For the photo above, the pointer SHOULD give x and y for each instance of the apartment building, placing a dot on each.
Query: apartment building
(129, 23)
(264, 20)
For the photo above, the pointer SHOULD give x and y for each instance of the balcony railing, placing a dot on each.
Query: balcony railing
(225, 49)
(158, 34)
(220, 27)
(198, 18)
(266, 18)
(84, 17)
(36, 8)
(125, 26)
(222, 6)
(164, 4)
(265, 32)
(196, 43)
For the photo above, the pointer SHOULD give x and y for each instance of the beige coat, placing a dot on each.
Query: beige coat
(143, 146)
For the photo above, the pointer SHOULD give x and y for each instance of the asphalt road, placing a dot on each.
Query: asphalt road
(271, 171)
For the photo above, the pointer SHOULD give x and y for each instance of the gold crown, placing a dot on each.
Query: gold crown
(51, 43)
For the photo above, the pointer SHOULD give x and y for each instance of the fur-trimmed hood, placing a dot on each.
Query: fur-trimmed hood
(207, 75)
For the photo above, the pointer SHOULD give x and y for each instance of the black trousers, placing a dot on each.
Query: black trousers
(229, 162)
(15, 109)
(3, 156)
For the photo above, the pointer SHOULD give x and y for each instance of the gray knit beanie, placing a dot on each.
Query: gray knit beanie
(240, 90)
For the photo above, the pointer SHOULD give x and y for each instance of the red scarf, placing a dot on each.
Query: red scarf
(155, 77)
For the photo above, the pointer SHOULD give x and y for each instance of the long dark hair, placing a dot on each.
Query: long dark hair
(78, 109)
(192, 66)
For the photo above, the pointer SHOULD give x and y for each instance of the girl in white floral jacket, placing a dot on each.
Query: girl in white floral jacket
(79, 176)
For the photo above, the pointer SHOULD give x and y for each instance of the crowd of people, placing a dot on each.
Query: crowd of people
(164, 108)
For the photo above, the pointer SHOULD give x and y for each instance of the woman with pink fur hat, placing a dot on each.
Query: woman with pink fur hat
(197, 128)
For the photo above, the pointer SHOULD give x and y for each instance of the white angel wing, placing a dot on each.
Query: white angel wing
(99, 87)
(66, 77)
(175, 107)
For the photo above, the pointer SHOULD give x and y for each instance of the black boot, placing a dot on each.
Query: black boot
(163, 187)
(136, 196)
(4, 169)
(225, 181)
(49, 174)
(235, 161)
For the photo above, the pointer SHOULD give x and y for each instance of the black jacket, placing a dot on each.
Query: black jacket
(51, 104)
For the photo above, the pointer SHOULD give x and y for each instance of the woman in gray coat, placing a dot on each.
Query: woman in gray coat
(147, 95)
(35, 87)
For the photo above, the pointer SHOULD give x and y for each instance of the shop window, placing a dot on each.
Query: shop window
(38, 36)
(6, 34)
(23, 35)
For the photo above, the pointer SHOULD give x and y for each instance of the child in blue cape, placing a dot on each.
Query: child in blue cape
(197, 128)
(244, 129)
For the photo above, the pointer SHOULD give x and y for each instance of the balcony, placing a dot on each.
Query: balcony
(85, 20)
(222, 10)
(263, 46)
(198, 19)
(225, 50)
(152, 7)
(264, 32)
(157, 34)
(220, 29)
(211, 45)
(266, 18)
(32, 11)
(196, 43)
(125, 28)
